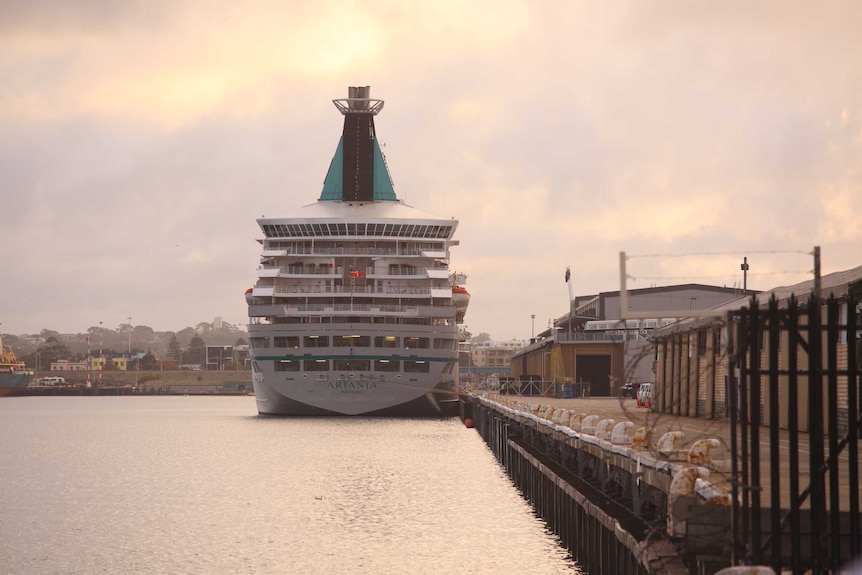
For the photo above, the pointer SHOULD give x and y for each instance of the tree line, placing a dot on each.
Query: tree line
(145, 345)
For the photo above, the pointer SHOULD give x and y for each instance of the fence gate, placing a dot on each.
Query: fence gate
(794, 406)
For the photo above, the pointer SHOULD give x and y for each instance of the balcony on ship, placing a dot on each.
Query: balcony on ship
(410, 250)
(358, 309)
(301, 270)
(316, 271)
(396, 290)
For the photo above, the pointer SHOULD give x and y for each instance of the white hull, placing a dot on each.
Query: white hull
(354, 392)
(328, 398)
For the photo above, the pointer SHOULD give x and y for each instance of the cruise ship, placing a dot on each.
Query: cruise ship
(355, 310)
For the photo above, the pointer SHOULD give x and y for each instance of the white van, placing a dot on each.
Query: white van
(645, 395)
(51, 381)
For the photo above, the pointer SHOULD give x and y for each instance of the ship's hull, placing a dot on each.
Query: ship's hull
(322, 400)
(12, 382)
(346, 392)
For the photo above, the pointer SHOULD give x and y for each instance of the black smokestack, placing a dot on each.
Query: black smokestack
(358, 143)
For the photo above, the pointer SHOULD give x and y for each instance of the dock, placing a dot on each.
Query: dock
(627, 489)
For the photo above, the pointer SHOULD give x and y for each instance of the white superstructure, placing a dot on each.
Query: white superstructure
(353, 310)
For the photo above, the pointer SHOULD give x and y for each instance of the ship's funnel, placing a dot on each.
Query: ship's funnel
(358, 172)
(359, 142)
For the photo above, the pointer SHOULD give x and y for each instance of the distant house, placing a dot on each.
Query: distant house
(66, 365)
(494, 353)
(95, 363)
(167, 364)
(219, 355)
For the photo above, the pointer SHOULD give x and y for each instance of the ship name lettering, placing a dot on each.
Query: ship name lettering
(349, 386)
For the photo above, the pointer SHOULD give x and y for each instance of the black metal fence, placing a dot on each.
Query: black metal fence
(794, 407)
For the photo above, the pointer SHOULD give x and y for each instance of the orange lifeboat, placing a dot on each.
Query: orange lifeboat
(249, 298)
(461, 299)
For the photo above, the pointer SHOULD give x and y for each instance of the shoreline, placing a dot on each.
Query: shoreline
(174, 382)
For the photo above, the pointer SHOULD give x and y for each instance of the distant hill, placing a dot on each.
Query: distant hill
(143, 338)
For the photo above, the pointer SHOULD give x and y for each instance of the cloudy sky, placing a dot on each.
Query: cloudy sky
(139, 140)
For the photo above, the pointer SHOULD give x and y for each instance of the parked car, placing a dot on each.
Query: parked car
(630, 390)
(644, 395)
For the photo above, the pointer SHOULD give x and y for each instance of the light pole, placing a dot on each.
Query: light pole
(101, 339)
(130, 337)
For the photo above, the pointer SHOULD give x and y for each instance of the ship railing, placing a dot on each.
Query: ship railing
(357, 289)
(347, 307)
(320, 270)
(267, 310)
(358, 251)
(339, 272)
(407, 271)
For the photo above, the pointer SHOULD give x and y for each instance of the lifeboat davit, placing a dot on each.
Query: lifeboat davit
(249, 297)
(461, 299)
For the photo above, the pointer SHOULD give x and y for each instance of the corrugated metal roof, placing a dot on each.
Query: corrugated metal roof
(834, 284)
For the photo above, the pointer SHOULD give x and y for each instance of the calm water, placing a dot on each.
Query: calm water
(203, 485)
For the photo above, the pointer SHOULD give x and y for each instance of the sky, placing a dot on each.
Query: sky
(140, 140)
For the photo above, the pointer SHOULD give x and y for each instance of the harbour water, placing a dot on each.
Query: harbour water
(171, 484)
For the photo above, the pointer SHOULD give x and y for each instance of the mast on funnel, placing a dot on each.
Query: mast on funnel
(358, 102)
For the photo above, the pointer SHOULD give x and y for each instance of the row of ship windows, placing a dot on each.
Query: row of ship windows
(388, 341)
(366, 247)
(356, 229)
(380, 365)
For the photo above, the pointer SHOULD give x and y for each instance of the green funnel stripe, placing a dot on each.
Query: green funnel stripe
(333, 184)
(383, 188)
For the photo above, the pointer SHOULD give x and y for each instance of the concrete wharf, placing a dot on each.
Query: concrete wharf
(653, 500)
(694, 429)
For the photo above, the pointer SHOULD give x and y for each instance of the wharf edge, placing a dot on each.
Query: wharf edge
(617, 509)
